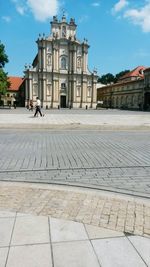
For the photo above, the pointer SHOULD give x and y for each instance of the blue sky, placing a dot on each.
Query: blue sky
(118, 31)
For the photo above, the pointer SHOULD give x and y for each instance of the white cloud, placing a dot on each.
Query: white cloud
(96, 4)
(21, 9)
(43, 10)
(21, 6)
(6, 18)
(119, 6)
(140, 16)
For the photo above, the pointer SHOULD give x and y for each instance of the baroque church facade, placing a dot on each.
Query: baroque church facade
(59, 74)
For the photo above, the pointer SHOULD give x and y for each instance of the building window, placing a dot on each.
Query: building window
(63, 86)
(63, 63)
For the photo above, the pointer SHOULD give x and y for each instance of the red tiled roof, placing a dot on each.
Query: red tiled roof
(137, 72)
(15, 83)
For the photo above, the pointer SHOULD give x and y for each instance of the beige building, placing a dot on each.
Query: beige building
(132, 91)
(59, 75)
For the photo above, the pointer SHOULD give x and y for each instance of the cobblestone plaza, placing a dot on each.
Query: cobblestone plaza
(117, 161)
(69, 165)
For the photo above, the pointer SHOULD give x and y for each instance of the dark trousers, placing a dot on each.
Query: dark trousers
(38, 109)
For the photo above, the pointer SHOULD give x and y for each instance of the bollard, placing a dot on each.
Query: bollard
(70, 107)
(86, 107)
(46, 106)
(58, 107)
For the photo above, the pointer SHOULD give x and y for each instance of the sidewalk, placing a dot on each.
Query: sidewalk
(74, 227)
(76, 119)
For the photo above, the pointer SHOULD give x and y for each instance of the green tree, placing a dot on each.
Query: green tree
(120, 74)
(110, 78)
(4, 83)
(3, 56)
(107, 78)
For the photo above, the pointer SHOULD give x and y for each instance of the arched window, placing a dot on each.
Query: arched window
(63, 63)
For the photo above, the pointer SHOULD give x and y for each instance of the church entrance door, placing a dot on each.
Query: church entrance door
(63, 101)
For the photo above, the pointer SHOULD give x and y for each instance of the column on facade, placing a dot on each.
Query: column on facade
(75, 61)
(44, 58)
(74, 91)
(56, 91)
(54, 86)
(83, 92)
(70, 61)
(39, 58)
(40, 89)
(70, 93)
(94, 93)
(52, 94)
(27, 88)
(57, 60)
(81, 99)
(84, 61)
(44, 90)
(94, 96)
(30, 89)
(54, 59)
(85, 54)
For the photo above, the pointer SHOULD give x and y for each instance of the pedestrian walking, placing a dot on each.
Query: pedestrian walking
(38, 107)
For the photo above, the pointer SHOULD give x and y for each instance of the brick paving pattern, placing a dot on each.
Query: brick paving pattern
(128, 215)
(117, 161)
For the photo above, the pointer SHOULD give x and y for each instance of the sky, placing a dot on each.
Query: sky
(118, 31)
